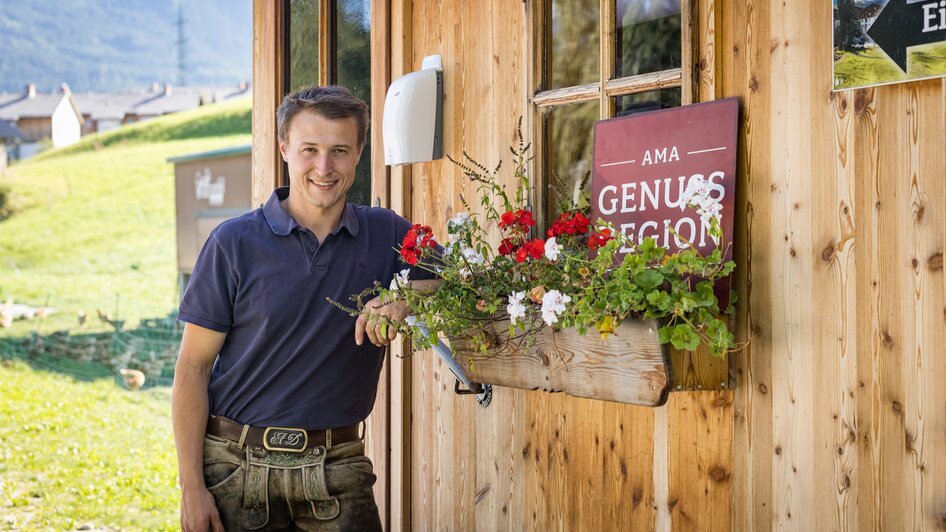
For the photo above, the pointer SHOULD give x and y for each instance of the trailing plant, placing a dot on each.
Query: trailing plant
(577, 273)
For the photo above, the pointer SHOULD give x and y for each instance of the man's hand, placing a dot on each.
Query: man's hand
(380, 320)
(199, 512)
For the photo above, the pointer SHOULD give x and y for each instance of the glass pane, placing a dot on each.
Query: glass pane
(353, 70)
(629, 104)
(303, 43)
(570, 130)
(647, 36)
(573, 54)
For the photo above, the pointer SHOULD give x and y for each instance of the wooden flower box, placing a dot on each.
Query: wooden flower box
(630, 366)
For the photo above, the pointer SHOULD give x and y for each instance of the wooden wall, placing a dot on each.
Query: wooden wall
(841, 405)
(838, 421)
(532, 460)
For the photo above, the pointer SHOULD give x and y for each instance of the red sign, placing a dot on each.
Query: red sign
(643, 163)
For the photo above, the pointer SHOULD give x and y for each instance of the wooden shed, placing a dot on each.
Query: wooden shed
(833, 417)
(209, 187)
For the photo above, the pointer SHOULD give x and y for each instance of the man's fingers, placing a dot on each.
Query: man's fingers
(216, 523)
(392, 333)
(360, 329)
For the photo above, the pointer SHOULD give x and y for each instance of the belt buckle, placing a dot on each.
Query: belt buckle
(285, 439)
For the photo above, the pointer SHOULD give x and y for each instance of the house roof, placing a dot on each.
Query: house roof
(159, 104)
(9, 130)
(107, 105)
(42, 105)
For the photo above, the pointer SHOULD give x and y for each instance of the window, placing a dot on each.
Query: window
(601, 59)
(328, 43)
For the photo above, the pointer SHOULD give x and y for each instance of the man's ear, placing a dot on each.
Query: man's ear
(283, 149)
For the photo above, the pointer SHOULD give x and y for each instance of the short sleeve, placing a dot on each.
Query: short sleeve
(209, 298)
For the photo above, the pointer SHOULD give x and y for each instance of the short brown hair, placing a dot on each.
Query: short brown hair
(332, 101)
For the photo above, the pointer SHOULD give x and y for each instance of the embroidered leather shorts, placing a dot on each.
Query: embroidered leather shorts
(258, 489)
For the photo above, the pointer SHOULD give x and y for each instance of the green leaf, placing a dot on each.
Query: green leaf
(649, 279)
(684, 337)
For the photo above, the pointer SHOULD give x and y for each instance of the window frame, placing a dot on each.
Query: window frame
(542, 100)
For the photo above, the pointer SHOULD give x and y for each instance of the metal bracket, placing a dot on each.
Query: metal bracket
(483, 392)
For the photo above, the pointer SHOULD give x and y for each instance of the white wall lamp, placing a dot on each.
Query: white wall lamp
(413, 115)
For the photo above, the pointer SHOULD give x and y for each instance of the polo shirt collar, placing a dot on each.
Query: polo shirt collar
(282, 223)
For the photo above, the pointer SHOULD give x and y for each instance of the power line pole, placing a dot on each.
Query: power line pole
(181, 47)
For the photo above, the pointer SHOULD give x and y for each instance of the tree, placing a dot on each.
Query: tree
(847, 31)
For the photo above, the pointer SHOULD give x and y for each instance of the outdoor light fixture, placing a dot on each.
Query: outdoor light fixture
(413, 115)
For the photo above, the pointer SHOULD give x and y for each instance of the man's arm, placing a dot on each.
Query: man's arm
(379, 314)
(190, 409)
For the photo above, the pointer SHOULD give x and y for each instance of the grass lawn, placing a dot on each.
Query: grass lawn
(93, 227)
(872, 66)
(84, 453)
(94, 224)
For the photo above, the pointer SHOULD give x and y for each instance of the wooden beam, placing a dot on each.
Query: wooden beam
(664, 79)
(606, 64)
(326, 42)
(689, 46)
(378, 441)
(399, 199)
(268, 85)
(566, 95)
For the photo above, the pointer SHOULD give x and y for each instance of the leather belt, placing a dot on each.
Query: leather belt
(293, 440)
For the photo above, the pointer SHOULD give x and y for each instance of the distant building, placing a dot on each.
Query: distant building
(41, 117)
(62, 117)
(102, 111)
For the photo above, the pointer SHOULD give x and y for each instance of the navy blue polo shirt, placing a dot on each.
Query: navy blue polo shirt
(290, 358)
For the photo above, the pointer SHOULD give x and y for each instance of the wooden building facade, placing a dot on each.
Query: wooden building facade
(837, 417)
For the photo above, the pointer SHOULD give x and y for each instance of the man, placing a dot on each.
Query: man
(268, 361)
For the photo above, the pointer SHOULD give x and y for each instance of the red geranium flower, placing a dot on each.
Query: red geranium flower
(599, 239)
(521, 255)
(506, 247)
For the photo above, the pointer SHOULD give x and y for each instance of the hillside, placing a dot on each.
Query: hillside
(94, 224)
(100, 45)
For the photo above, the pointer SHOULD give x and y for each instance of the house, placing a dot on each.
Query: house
(42, 117)
(831, 416)
(102, 111)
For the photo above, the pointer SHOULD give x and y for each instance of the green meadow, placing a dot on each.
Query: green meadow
(872, 66)
(92, 227)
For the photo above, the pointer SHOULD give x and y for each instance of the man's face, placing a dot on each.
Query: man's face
(322, 155)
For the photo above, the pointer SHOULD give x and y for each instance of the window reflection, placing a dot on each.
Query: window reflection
(570, 130)
(353, 70)
(629, 104)
(573, 49)
(647, 36)
(303, 43)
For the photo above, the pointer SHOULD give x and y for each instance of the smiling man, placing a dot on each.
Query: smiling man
(272, 386)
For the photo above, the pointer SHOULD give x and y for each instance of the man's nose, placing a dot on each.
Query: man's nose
(323, 164)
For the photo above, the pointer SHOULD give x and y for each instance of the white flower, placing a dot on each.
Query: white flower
(458, 222)
(515, 308)
(472, 256)
(553, 304)
(399, 280)
(411, 320)
(552, 249)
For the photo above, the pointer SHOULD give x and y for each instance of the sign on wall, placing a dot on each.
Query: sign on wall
(877, 42)
(643, 163)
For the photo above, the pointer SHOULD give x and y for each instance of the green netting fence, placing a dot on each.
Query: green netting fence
(151, 348)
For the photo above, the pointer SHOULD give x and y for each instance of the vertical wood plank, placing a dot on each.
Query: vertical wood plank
(268, 73)
(382, 427)
(706, 66)
(326, 42)
(700, 460)
(746, 66)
